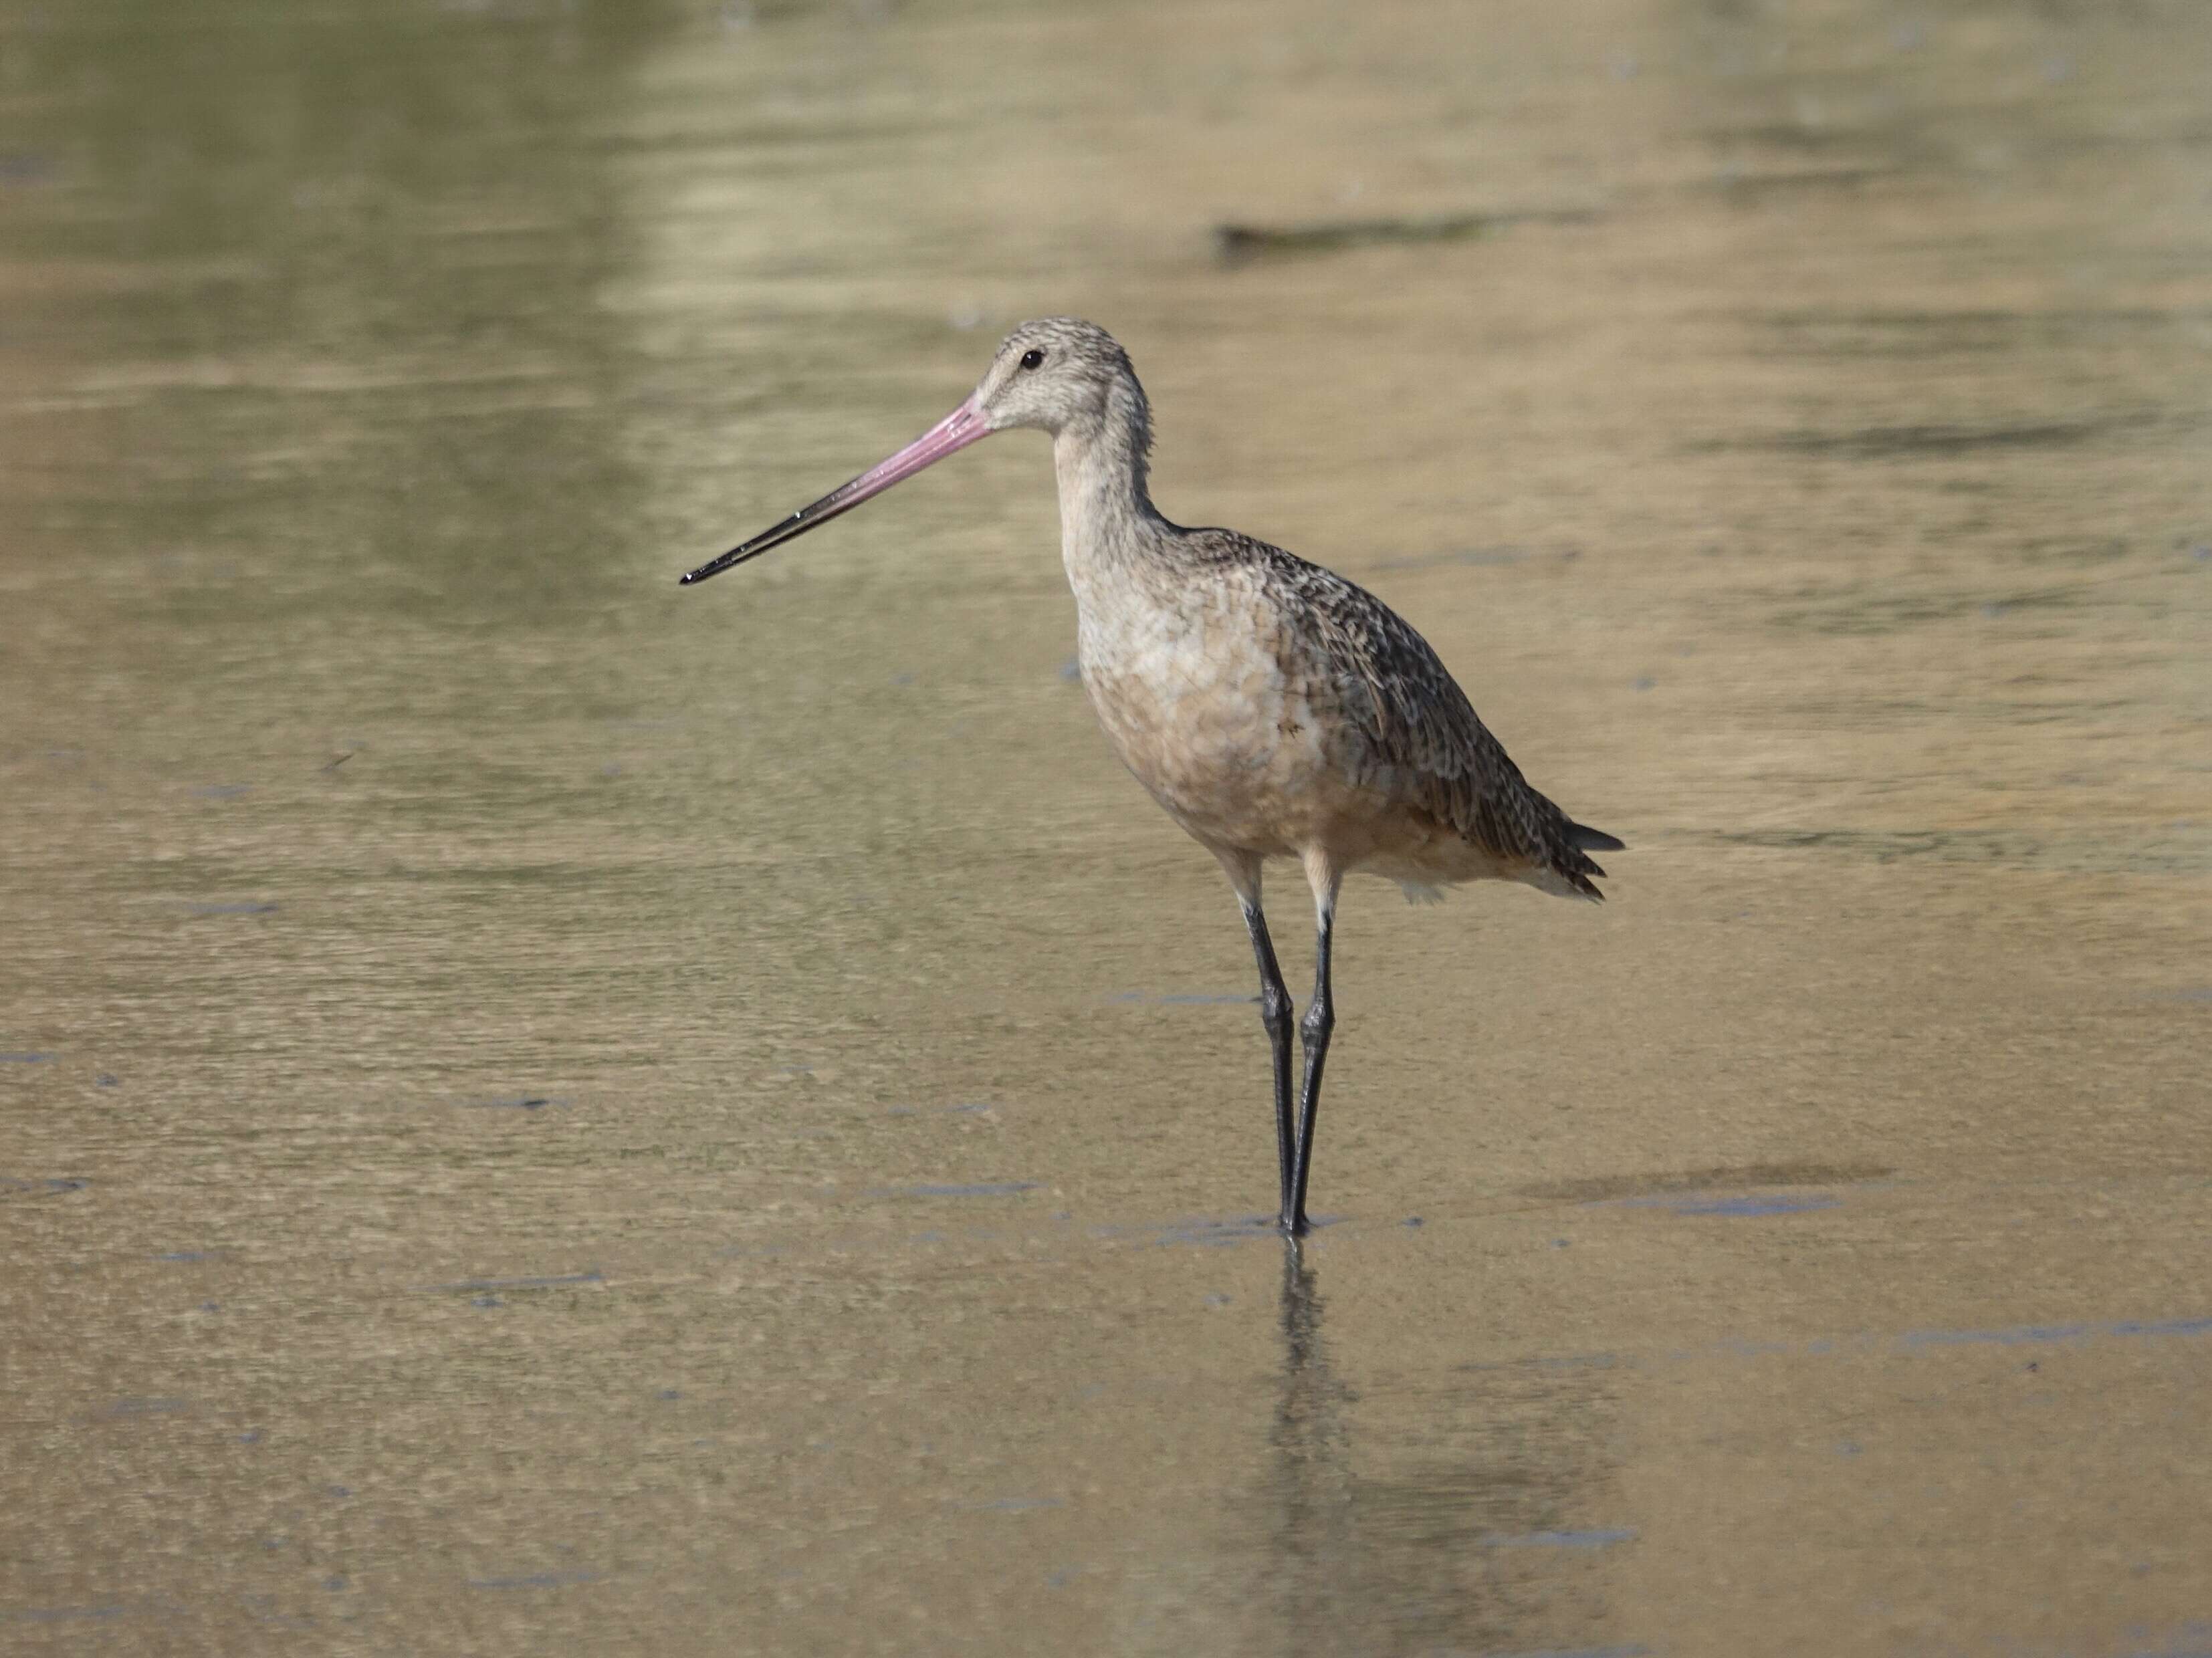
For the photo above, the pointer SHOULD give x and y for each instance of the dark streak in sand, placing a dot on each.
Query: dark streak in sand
(1185, 998)
(978, 1189)
(536, 1580)
(52, 1187)
(564, 1281)
(1241, 244)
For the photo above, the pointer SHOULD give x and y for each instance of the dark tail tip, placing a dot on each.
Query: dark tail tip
(1583, 838)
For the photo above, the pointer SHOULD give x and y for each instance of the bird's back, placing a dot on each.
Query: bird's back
(1407, 730)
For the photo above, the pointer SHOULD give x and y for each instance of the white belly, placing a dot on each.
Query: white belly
(1196, 702)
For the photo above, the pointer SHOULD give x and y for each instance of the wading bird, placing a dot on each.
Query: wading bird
(1273, 709)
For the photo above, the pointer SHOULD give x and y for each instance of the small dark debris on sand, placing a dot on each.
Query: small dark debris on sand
(1241, 244)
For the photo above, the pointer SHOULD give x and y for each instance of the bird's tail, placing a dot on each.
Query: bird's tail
(1571, 867)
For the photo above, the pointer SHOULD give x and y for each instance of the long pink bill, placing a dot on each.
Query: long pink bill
(962, 427)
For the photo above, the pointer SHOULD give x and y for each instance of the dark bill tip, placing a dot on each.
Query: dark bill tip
(799, 523)
(713, 567)
(962, 427)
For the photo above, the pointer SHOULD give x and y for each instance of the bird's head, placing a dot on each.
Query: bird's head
(1055, 374)
(1052, 373)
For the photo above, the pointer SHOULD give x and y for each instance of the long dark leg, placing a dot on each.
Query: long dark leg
(1320, 1020)
(1275, 1014)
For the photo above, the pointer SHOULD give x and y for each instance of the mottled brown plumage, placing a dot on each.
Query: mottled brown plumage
(1272, 708)
(1421, 742)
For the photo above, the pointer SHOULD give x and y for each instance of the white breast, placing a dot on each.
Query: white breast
(1191, 690)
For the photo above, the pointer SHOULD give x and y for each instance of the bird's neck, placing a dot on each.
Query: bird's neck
(1107, 519)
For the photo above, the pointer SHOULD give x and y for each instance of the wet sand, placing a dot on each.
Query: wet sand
(540, 1111)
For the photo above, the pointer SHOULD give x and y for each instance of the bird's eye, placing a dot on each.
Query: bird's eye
(1032, 359)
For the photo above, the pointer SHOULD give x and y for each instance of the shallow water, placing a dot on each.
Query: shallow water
(545, 1112)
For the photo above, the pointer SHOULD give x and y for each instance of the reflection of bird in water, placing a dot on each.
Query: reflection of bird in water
(1274, 709)
(1433, 1538)
(1313, 1549)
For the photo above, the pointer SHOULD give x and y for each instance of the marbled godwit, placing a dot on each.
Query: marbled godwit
(1272, 708)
